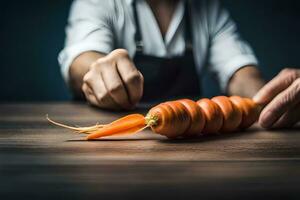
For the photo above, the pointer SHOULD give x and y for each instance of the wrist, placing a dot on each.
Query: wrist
(246, 82)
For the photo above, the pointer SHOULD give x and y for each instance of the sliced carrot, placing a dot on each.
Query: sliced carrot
(213, 116)
(232, 115)
(181, 119)
(125, 125)
(197, 117)
(163, 115)
(255, 110)
(85, 130)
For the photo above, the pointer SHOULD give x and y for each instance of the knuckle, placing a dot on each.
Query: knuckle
(100, 64)
(290, 73)
(101, 97)
(289, 97)
(83, 88)
(297, 82)
(133, 78)
(90, 100)
(285, 70)
(141, 76)
(86, 95)
(115, 88)
(297, 86)
(103, 60)
(95, 65)
(285, 99)
(88, 77)
(120, 53)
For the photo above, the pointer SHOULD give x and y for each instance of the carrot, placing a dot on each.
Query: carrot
(255, 110)
(160, 119)
(213, 116)
(248, 116)
(181, 118)
(197, 117)
(128, 124)
(172, 119)
(85, 130)
(232, 115)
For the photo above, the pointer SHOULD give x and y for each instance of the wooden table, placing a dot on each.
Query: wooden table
(41, 161)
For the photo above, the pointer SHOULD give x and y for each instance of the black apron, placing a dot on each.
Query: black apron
(167, 78)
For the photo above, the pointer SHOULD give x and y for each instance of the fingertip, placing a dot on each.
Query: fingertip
(263, 125)
(258, 98)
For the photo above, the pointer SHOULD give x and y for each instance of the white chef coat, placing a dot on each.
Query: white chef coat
(105, 25)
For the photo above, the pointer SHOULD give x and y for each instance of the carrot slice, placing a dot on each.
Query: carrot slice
(197, 117)
(181, 119)
(162, 116)
(128, 124)
(232, 115)
(213, 116)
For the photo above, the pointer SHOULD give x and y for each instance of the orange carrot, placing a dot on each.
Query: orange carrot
(213, 116)
(248, 117)
(182, 118)
(163, 118)
(197, 117)
(232, 115)
(125, 125)
(85, 130)
(255, 110)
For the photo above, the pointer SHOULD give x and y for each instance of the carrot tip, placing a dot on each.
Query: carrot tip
(129, 124)
(85, 130)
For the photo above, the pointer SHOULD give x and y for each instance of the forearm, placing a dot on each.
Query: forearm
(246, 82)
(79, 68)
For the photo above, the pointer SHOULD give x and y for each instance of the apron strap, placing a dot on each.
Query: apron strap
(187, 32)
(188, 27)
(137, 36)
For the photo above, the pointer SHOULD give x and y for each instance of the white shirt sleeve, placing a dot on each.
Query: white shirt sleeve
(89, 29)
(228, 52)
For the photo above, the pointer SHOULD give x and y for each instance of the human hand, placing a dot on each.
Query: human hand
(282, 99)
(113, 82)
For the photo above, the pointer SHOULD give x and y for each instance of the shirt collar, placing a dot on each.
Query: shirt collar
(175, 22)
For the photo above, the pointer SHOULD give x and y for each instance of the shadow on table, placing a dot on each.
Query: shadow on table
(212, 137)
(205, 138)
(224, 136)
(111, 139)
(153, 136)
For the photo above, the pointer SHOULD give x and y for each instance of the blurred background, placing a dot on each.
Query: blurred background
(32, 34)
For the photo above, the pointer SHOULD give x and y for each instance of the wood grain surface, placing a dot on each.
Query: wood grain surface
(41, 161)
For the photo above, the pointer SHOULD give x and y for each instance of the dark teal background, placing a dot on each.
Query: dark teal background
(32, 34)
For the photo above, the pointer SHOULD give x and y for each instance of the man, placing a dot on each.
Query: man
(121, 52)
